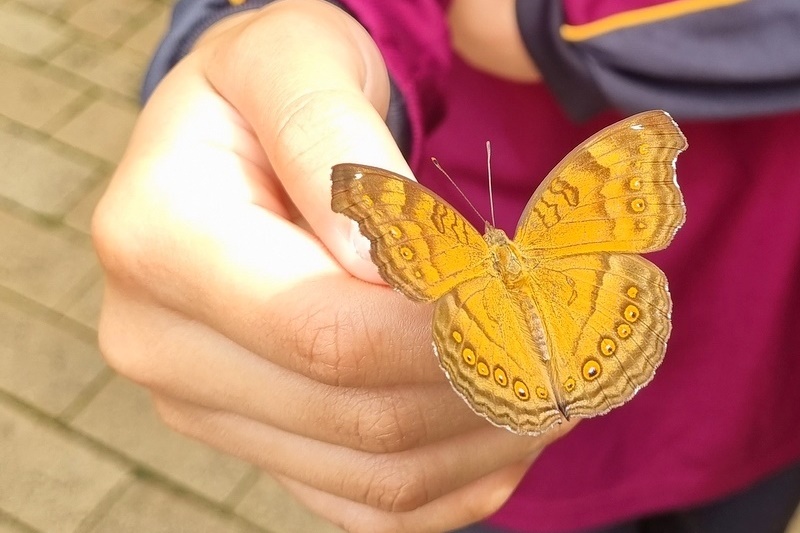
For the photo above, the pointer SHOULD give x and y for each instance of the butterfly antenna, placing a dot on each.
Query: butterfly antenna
(489, 172)
(436, 163)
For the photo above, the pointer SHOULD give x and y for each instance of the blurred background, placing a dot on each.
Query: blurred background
(80, 448)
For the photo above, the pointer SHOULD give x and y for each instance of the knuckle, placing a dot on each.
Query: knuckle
(173, 416)
(310, 110)
(397, 486)
(494, 496)
(486, 507)
(120, 354)
(132, 248)
(389, 424)
(327, 341)
(115, 241)
(112, 351)
(123, 343)
(168, 413)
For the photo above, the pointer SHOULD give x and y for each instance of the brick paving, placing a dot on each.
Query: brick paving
(81, 449)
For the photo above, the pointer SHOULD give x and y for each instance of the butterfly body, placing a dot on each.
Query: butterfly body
(507, 260)
(563, 321)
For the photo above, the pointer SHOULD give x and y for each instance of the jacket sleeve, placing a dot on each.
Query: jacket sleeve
(697, 60)
(411, 35)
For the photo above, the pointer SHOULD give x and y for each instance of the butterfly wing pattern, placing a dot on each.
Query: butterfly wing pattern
(613, 196)
(565, 320)
(424, 248)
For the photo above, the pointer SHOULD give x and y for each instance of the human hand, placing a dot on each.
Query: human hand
(231, 292)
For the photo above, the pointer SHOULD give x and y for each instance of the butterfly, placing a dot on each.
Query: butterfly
(564, 321)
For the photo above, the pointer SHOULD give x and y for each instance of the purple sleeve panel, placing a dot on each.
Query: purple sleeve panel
(711, 60)
(413, 38)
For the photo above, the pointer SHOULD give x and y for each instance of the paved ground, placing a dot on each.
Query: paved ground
(80, 448)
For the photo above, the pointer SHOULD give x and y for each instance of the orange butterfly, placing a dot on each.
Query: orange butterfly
(563, 321)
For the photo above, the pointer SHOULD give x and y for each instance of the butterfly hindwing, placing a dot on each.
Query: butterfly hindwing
(607, 321)
(421, 245)
(490, 345)
(616, 192)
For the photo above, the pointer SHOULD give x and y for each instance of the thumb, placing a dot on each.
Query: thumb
(313, 102)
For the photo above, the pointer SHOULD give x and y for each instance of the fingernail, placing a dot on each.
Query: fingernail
(360, 243)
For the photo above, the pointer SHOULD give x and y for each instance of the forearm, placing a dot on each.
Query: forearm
(486, 35)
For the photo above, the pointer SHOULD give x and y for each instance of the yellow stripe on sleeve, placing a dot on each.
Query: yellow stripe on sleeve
(639, 17)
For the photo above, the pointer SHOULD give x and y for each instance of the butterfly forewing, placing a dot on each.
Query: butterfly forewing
(616, 192)
(421, 245)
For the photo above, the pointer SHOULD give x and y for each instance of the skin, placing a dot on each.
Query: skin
(486, 36)
(246, 306)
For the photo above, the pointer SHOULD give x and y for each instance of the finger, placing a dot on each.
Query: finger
(466, 505)
(394, 482)
(188, 361)
(201, 250)
(208, 247)
(299, 310)
(317, 103)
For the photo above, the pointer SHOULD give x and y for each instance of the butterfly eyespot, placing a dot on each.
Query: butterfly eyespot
(638, 205)
(635, 183)
(457, 336)
(644, 149)
(624, 331)
(521, 390)
(406, 253)
(631, 313)
(500, 376)
(569, 385)
(591, 370)
(395, 232)
(417, 274)
(541, 393)
(608, 347)
(367, 201)
(482, 368)
(641, 225)
(469, 356)
(632, 292)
